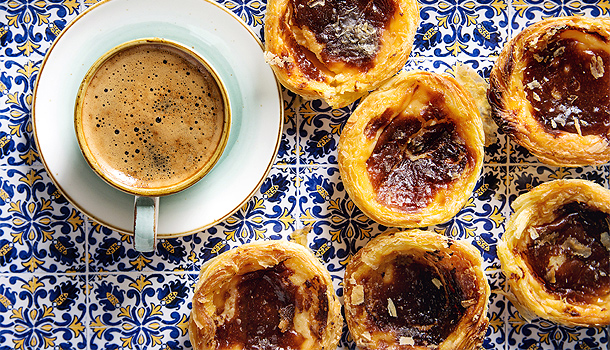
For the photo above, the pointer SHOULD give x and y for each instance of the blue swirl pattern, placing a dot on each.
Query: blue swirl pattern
(67, 282)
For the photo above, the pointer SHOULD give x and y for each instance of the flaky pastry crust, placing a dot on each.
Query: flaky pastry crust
(299, 58)
(458, 272)
(539, 207)
(410, 93)
(311, 314)
(513, 112)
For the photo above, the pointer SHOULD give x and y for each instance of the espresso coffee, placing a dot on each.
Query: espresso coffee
(152, 116)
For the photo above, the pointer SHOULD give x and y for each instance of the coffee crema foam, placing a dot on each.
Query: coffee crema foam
(152, 115)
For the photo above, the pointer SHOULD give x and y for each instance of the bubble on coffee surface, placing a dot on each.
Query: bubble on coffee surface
(153, 116)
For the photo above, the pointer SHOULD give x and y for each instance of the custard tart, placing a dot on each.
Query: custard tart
(416, 290)
(338, 50)
(550, 90)
(555, 252)
(265, 295)
(412, 151)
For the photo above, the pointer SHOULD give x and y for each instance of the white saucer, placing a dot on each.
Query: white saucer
(234, 52)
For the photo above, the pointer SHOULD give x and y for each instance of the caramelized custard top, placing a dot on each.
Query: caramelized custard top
(571, 255)
(416, 298)
(415, 155)
(567, 82)
(265, 307)
(349, 30)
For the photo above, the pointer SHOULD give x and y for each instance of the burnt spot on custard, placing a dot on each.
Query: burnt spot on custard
(571, 255)
(315, 299)
(423, 298)
(266, 304)
(350, 31)
(567, 82)
(415, 156)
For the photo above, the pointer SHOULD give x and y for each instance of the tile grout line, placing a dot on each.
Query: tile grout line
(88, 291)
(87, 228)
(88, 280)
(298, 167)
(328, 165)
(297, 211)
(105, 273)
(491, 164)
(507, 189)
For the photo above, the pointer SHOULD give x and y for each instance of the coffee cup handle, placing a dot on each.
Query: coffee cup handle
(146, 213)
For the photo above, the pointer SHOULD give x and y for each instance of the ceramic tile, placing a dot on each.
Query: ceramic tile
(526, 12)
(451, 28)
(524, 178)
(269, 214)
(287, 153)
(68, 283)
(496, 150)
(17, 79)
(140, 311)
(447, 65)
(28, 29)
(542, 334)
(89, 3)
(520, 155)
(41, 231)
(207, 245)
(496, 332)
(251, 12)
(113, 251)
(43, 312)
(319, 130)
(483, 218)
(338, 227)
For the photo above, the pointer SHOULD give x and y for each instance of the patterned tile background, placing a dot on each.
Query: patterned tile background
(69, 283)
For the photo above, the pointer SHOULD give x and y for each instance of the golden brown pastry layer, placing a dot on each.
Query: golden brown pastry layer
(412, 151)
(550, 90)
(416, 290)
(271, 295)
(555, 252)
(338, 50)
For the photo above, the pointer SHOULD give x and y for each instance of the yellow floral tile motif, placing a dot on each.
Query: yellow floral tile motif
(67, 282)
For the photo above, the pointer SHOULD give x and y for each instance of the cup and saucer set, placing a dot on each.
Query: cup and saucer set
(250, 135)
